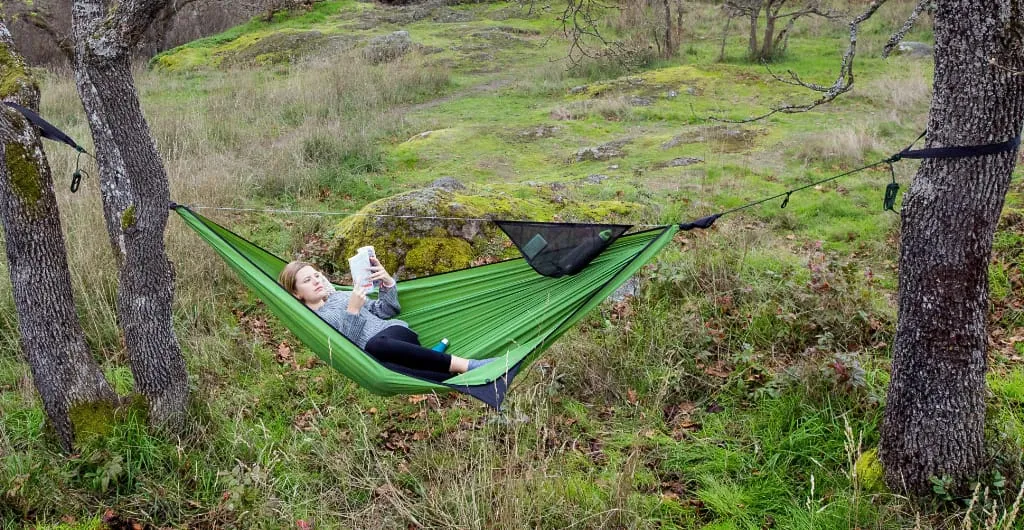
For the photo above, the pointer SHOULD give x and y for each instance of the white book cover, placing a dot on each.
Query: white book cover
(360, 267)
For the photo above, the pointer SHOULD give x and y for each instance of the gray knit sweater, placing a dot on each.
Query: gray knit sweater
(374, 316)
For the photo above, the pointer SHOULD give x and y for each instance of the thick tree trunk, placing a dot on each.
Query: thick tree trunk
(64, 372)
(135, 193)
(934, 417)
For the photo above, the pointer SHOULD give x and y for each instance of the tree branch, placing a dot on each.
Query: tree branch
(842, 84)
(897, 37)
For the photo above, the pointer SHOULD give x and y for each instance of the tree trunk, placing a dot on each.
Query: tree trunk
(670, 49)
(135, 193)
(755, 13)
(934, 417)
(64, 372)
(768, 42)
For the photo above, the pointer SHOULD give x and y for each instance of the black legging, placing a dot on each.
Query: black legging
(401, 345)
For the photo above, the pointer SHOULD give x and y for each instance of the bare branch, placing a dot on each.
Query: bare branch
(44, 22)
(1010, 71)
(897, 37)
(842, 84)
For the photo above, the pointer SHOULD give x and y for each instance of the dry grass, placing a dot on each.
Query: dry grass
(906, 93)
(846, 145)
(615, 108)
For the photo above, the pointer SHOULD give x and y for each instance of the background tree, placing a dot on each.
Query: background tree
(64, 372)
(934, 420)
(135, 194)
(643, 27)
(779, 19)
(935, 412)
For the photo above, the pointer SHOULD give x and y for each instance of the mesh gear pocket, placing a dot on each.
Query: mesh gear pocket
(559, 249)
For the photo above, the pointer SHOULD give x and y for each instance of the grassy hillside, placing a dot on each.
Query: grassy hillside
(742, 388)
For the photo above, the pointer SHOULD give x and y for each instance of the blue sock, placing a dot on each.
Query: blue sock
(477, 363)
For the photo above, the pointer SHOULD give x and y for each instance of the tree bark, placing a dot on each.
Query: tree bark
(755, 13)
(935, 413)
(64, 372)
(135, 193)
(771, 11)
(670, 48)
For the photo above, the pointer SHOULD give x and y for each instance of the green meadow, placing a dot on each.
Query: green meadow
(742, 387)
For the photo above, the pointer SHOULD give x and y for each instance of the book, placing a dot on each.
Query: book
(360, 267)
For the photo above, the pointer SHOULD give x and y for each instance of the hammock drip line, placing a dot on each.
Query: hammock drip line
(50, 132)
(891, 190)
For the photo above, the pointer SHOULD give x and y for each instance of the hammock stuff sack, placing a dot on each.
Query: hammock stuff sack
(507, 310)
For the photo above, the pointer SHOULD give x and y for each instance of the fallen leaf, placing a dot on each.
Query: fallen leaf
(418, 399)
(719, 369)
(284, 355)
(301, 523)
(631, 396)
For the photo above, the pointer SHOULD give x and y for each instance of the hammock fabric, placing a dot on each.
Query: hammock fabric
(504, 310)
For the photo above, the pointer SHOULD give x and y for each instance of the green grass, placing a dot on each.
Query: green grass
(755, 358)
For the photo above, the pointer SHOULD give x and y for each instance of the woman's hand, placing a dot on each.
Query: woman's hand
(377, 272)
(356, 299)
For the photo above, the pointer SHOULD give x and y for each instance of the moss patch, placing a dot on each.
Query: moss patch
(26, 179)
(869, 472)
(128, 218)
(438, 253)
(14, 76)
(92, 419)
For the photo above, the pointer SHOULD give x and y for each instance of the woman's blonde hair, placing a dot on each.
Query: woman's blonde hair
(287, 276)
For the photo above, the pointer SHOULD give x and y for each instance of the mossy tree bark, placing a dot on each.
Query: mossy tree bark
(935, 413)
(64, 372)
(135, 194)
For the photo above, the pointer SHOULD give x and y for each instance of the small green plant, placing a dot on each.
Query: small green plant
(942, 487)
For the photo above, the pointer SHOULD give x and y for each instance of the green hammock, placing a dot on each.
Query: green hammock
(504, 310)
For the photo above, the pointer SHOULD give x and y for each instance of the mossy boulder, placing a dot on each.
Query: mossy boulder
(279, 47)
(437, 229)
(387, 48)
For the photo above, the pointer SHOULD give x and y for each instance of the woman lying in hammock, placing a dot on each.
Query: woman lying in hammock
(369, 325)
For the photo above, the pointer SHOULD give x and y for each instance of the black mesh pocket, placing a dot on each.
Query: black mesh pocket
(558, 249)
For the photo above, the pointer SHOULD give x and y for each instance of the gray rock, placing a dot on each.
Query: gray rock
(448, 15)
(638, 101)
(691, 91)
(582, 89)
(678, 162)
(601, 152)
(914, 49)
(672, 94)
(630, 288)
(387, 48)
(596, 178)
(542, 131)
(447, 183)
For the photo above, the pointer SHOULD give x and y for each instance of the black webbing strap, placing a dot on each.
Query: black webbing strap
(46, 129)
(962, 151)
(703, 222)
